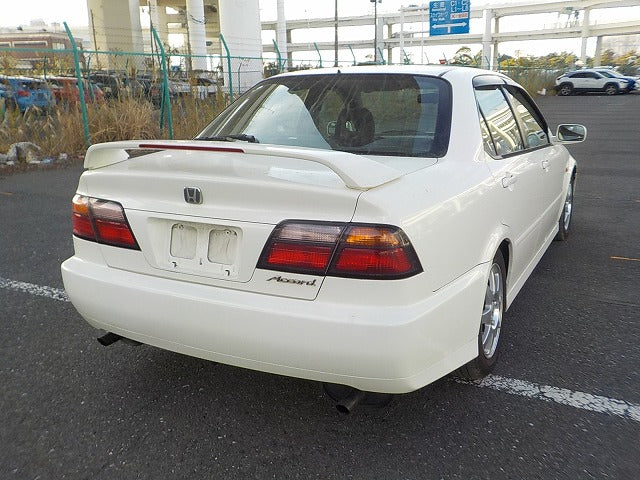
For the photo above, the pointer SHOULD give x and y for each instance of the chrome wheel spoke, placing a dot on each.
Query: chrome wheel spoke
(568, 205)
(492, 312)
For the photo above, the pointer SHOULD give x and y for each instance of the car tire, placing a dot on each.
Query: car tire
(490, 324)
(611, 89)
(564, 222)
(565, 89)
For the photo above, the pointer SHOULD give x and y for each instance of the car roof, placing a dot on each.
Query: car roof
(431, 70)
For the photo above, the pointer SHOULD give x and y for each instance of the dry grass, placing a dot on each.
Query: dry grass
(62, 130)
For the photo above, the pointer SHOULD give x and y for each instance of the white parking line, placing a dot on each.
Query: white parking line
(33, 289)
(513, 386)
(546, 393)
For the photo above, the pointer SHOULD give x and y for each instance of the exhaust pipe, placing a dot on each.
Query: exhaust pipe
(109, 338)
(347, 404)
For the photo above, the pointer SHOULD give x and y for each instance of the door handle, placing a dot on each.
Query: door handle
(545, 164)
(509, 180)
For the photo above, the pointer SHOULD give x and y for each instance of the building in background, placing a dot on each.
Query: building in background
(37, 39)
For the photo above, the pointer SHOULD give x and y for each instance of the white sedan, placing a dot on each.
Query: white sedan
(363, 226)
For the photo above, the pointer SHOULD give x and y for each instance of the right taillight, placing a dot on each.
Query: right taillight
(102, 221)
(340, 249)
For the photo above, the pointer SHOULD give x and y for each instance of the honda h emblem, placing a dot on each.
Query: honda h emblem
(193, 195)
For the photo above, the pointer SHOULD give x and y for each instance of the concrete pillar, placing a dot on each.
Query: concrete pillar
(281, 30)
(486, 38)
(402, 34)
(159, 19)
(136, 28)
(585, 35)
(597, 60)
(197, 35)
(289, 54)
(110, 22)
(240, 25)
(212, 29)
(389, 49)
(495, 59)
(379, 39)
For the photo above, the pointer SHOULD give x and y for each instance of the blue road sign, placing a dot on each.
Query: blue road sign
(448, 17)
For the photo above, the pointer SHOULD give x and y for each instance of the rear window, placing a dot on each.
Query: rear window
(371, 114)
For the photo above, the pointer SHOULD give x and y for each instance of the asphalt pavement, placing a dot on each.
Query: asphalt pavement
(72, 409)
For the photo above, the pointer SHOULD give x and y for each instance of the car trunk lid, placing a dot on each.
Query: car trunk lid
(243, 192)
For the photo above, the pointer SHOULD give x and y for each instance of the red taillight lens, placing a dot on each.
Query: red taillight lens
(344, 250)
(375, 251)
(24, 93)
(304, 257)
(301, 247)
(373, 261)
(102, 221)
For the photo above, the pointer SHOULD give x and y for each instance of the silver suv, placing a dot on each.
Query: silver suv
(588, 80)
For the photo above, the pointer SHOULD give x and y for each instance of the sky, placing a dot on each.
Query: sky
(74, 12)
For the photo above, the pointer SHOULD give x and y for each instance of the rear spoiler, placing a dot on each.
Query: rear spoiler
(357, 172)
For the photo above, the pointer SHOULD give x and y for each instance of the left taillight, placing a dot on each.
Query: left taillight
(349, 250)
(102, 221)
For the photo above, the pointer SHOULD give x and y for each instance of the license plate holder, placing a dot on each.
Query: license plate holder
(203, 249)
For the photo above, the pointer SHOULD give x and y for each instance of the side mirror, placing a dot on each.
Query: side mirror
(571, 133)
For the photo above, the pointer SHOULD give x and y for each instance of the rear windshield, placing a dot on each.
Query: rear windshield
(371, 114)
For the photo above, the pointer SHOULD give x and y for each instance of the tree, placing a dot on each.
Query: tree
(607, 57)
(463, 57)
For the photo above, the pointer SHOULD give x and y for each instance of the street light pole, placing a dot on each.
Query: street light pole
(335, 47)
(375, 27)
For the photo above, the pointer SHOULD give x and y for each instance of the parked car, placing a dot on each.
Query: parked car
(65, 90)
(24, 93)
(610, 73)
(205, 87)
(112, 85)
(179, 88)
(582, 81)
(151, 89)
(363, 226)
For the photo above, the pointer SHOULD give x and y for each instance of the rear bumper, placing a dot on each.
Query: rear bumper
(390, 349)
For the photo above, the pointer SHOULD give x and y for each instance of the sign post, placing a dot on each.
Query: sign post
(448, 17)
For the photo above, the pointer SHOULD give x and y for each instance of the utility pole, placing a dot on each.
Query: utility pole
(95, 41)
(187, 63)
(335, 47)
(151, 26)
(375, 27)
(93, 27)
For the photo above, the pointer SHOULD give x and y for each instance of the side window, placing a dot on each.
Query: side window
(533, 125)
(501, 122)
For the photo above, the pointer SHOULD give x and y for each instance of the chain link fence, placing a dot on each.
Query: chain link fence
(160, 94)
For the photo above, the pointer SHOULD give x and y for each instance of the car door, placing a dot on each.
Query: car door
(517, 171)
(551, 160)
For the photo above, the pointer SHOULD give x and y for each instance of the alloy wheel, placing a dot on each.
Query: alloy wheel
(491, 322)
